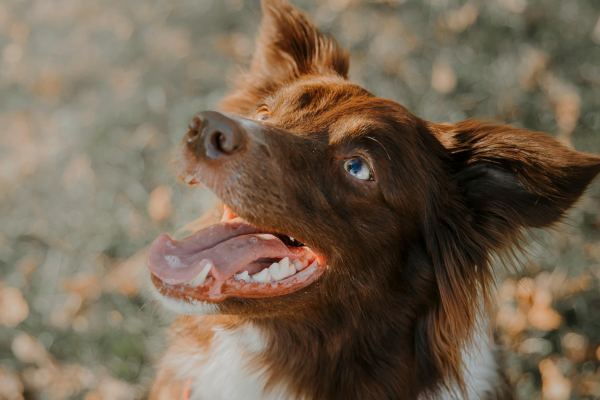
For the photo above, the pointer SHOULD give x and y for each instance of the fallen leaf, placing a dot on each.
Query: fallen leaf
(554, 385)
(442, 77)
(11, 387)
(13, 307)
(159, 203)
(461, 19)
(28, 349)
(127, 276)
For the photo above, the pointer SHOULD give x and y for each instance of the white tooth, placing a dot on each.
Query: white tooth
(242, 277)
(297, 264)
(276, 271)
(201, 277)
(262, 276)
(188, 178)
(284, 266)
(292, 270)
(300, 264)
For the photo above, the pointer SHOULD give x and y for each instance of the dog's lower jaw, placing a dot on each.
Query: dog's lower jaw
(191, 307)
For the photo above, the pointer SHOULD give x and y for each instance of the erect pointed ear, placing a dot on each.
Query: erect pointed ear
(288, 46)
(499, 181)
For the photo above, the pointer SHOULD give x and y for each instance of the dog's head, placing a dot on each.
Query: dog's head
(384, 208)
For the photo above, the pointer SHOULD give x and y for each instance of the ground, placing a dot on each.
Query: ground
(95, 94)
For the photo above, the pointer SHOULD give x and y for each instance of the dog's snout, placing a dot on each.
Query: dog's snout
(214, 135)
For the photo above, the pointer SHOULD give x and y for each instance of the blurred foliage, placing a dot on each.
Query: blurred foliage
(95, 93)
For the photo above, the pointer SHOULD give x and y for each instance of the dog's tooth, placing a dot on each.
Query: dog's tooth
(262, 276)
(201, 277)
(277, 272)
(300, 264)
(244, 276)
(297, 264)
(285, 267)
(292, 270)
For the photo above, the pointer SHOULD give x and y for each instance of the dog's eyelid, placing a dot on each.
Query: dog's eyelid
(262, 113)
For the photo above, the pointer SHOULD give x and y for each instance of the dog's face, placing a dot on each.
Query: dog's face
(383, 207)
(323, 161)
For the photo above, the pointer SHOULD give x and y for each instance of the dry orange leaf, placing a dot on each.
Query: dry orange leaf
(13, 307)
(544, 318)
(442, 77)
(11, 386)
(127, 276)
(87, 286)
(554, 385)
(159, 204)
(28, 349)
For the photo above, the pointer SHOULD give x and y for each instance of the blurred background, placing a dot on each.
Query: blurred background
(94, 94)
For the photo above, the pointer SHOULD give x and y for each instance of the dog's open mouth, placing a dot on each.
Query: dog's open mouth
(231, 259)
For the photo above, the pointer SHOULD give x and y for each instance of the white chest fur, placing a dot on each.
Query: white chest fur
(228, 370)
(481, 371)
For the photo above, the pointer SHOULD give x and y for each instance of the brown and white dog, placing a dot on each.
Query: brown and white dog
(353, 260)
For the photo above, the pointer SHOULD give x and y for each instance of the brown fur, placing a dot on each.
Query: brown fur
(408, 253)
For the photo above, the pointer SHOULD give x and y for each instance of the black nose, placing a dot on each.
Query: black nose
(214, 135)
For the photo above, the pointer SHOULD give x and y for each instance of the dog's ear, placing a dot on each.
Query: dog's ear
(288, 46)
(511, 178)
(500, 180)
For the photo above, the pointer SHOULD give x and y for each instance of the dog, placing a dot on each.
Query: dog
(354, 256)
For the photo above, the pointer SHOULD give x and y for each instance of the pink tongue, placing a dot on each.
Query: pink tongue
(228, 246)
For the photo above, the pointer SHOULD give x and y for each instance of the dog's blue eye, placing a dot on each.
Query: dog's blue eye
(358, 168)
(262, 114)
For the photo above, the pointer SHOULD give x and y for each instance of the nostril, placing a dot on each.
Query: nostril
(195, 126)
(217, 139)
(222, 142)
(213, 135)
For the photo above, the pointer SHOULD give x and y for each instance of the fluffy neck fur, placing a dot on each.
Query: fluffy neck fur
(360, 354)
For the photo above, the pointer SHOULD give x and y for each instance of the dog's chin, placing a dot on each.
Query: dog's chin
(190, 307)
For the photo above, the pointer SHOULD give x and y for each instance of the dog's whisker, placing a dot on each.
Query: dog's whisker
(382, 146)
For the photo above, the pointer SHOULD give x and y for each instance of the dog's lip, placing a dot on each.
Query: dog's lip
(224, 249)
(241, 289)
